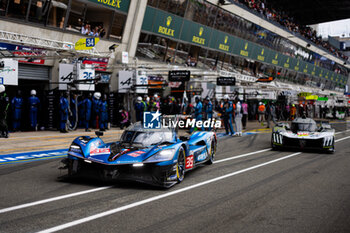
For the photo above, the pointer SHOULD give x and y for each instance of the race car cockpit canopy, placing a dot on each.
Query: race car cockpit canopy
(303, 124)
(137, 135)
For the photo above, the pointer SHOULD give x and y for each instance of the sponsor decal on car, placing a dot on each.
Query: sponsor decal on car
(99, 151)
(136, 153)
(189, 162)
(303, 134)
(202, 156)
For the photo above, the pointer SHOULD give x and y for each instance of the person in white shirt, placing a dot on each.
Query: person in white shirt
(238, 118)
(84, 29)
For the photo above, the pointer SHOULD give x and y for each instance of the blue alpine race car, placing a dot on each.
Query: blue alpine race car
(153, 156)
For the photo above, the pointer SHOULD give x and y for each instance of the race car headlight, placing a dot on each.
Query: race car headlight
(163, 155)
(75, 148)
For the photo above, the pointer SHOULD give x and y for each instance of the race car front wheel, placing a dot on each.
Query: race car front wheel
(180, 166)
(212, 152)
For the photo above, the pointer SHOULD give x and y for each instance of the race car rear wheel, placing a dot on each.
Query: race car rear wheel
(180, 165)
(212, 152)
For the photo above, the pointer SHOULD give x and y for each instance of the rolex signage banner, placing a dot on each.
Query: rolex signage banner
(175, 27)
(167, 24)
(196, 33)
(121, 5)
(222, 41)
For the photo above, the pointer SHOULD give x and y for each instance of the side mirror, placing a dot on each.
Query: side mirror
(99, 133)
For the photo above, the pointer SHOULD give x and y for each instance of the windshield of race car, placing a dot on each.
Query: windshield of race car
(146, 138)
(309, 127)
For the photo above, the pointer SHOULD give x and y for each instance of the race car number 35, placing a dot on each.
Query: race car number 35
(189, 162)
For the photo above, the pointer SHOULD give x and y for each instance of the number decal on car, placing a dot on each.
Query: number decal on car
(189, 162)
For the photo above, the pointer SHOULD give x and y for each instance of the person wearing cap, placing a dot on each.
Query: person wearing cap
(64, 111)
(139, 109)
(208, 108)
(261, 112)
(34, 103)
(227, 112)
(4, 105)
(17, 104)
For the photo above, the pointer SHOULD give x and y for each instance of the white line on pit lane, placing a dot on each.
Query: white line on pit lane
(107, 187)
(341, 139)
(52, 199)
(342, 131)
(155, 198)
(102, 188)
(241, 156)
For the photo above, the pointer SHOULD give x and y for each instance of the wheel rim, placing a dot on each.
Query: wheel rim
(213, 150)
(180, 168)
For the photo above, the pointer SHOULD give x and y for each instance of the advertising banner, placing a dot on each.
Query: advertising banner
(141, 82)
(196, 33)
(222, 41)
(169, 25)
(121, 5)
(226, 81)
(8, 72)
(125, 81)
(179, 75)
(65, 73)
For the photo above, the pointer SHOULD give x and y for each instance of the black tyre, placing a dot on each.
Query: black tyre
(212, 153)
(180, 165)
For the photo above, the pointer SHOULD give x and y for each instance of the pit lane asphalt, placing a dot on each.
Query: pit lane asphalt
(309, 192)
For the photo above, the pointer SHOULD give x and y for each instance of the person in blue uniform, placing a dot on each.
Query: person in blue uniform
(64, 112)
(17, 104)
(34, 103)
(103, 113)
(73, 108)
(228, 111)
(4, 105)
(81, 112)
(139, 109)
(209, 110)
(96, 108)
(198, 112)
(87, 106)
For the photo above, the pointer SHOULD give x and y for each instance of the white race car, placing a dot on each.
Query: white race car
(303, 134)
